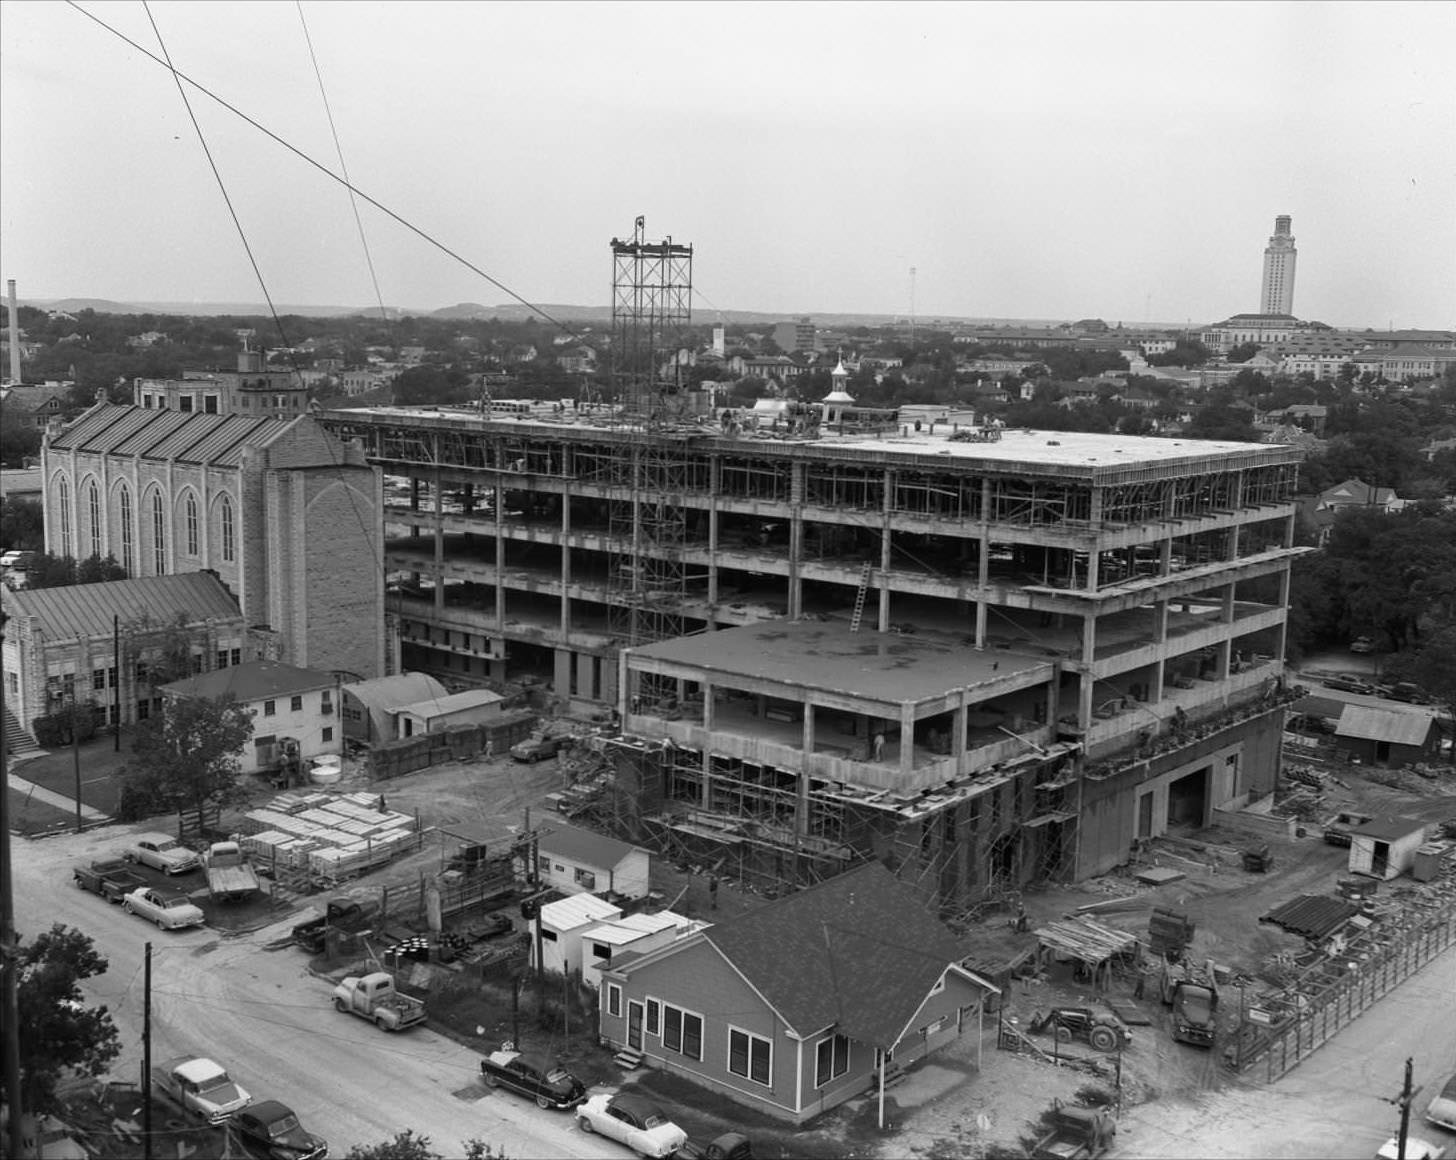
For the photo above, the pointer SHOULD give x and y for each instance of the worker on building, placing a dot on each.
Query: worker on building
(879, 746)
(713, 891)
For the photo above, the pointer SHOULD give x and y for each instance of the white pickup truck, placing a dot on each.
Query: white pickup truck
(201, 1087)
(374, 997)
(228, 874)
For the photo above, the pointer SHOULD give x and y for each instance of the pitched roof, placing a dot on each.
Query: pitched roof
(1311, 915)
(400, 689)
(578, 910)
(252, 682)
(1388, 829)
(1397, 726)
(187, 436)
(858, 951)
(443, 706)
(86, 610)
(583, 846)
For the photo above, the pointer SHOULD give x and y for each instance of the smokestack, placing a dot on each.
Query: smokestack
(14, 333)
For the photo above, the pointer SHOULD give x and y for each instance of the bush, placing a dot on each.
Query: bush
(54, 729)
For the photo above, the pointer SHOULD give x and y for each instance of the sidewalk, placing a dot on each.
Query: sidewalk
(60, 801)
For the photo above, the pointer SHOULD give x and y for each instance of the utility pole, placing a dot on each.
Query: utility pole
(9, 954)
(1406, 1096)
(147, 1055)
(76, 758)
(116, 680)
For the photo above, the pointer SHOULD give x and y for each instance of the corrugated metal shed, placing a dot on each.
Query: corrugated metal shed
(85, 610)
(1312, 916)
(1392, 725)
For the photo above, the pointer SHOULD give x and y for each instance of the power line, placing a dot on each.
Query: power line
(299, 153)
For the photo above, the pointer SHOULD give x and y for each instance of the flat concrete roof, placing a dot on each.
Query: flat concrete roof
(1016, 446)
(810, 654)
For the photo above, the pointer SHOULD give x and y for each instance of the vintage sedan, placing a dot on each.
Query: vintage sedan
(270, 1131)
(1415, 1149)
(1441, 1111)
(549, 1084)
(163, 853)
(168, 909)
(631, 1120)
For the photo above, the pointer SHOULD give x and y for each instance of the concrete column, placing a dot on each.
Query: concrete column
(958, 733)
(808, 725)
(566, 565)
(710, 709)
(907, 740)
(717, 477)
(1225, 659)
(796, 540)
(1162, 621)
(884, 615)
(498, 506)
(1228, 604)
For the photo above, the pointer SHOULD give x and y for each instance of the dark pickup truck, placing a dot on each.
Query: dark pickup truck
(341, 914)
(111, 878)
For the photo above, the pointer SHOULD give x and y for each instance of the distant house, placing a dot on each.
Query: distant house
(21, 483)
(1322, 510)
(580, 861)
(292, 709)
(434, 714)
(28, 405)
(368, 705)
(1387, 736)
(792, 1008)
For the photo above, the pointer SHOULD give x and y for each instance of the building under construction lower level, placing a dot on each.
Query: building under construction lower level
(985, 658)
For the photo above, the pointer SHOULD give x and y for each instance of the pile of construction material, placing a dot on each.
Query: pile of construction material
(331, 837)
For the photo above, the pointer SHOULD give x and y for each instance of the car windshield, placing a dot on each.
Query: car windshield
(213, 1082)
(281, 1127)
(165, 847)
(175, 903)
(1196, 1005)
(558, 1075)
(653, 1120)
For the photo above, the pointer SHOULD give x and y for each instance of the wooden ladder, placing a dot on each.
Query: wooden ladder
(859, 600)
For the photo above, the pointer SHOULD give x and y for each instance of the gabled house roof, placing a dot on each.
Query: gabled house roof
(86, 610)
(583, 846)
(858, 952)
(1388, 829)
(1357, 491)
(254, 681)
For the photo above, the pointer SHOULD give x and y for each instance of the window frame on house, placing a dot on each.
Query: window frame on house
(614, 1000)
(750, 1043)
(584, 878)
(678, 1043)
(270, 708)
(295, 703)
(837, 1066)
(652, 1019)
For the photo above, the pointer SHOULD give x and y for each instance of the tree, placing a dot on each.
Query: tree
(188, 757)
(1243, 352)
(94, 570)
(57, 1031)
(1434, 669)
(408, 1146)
(47, 571)
(22, 524)
(18, 442)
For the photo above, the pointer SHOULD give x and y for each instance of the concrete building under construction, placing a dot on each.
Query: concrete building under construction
(985, 656)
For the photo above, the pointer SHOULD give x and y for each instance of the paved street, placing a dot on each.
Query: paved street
(1334, 1104)
(261, 1015)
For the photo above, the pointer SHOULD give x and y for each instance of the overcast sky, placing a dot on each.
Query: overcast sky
(1029, 160)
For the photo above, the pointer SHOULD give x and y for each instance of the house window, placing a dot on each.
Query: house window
(614, 1000)
(128, 531)
(159, 535)
(654, 1017)
(191, 510)
(237, 656)
(222, 658)
(225, 518)
(749, 1056)
(295, 704)
(93, 502)
(270, 708)
(831, 1059)
(548, 935)
(602, 951)
(144, 710)
(98, 678)
(328, 732)
(682, 1031)
(585, 878)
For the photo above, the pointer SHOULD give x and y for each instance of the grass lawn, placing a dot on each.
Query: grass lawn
(31, 817)
(100, 763)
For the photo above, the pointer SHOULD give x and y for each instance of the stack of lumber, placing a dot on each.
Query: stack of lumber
(1169, 932)
(332, 836)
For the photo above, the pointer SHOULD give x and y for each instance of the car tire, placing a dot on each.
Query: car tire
(585, 1125)
(160, 924)
(490, 1080)
(340, 1005)
(126, 906)
(1064, 1035)
(543, 1103)
(78, 882)
(1103, 1038)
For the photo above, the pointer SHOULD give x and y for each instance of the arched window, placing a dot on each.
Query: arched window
(93, 502)
(191, 524)
(128, 532)
(225, 516)
(159, 534)
(65, 497)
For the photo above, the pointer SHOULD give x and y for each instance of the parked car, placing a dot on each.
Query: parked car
(1348, 685)
(270, 1131)
(1409, 693)
(111, 878)
(1415, 1149)
(728, 1146)
(161, 852)
(631, 1120)
(538, 747)
(200, 1086)
(1441, 1111)
(549, 1084)
(1362, 644)
(170, 910)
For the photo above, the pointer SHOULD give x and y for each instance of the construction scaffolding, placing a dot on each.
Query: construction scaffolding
(652, 285)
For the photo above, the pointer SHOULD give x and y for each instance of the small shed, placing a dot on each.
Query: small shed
(1385, 848)
(368, 705)
(471, 707)
(580, 862)
(638, 933)
(1090, 946)
(1388, 736)
(561, 925)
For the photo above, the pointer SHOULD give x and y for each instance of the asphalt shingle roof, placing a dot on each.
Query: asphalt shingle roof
(254, 681)
(1393, 725)
(858, 951)
(583, 846)
(86, 610)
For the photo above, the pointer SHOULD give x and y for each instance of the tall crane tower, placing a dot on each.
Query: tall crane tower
(652, 285)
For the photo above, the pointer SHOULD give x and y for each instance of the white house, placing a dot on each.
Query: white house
(561, 926)
(579, 861)
(1385, 848)
(638, 933)
(287, 704)
(434, 714)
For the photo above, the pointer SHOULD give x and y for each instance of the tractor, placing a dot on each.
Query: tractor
(1105, 1032)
